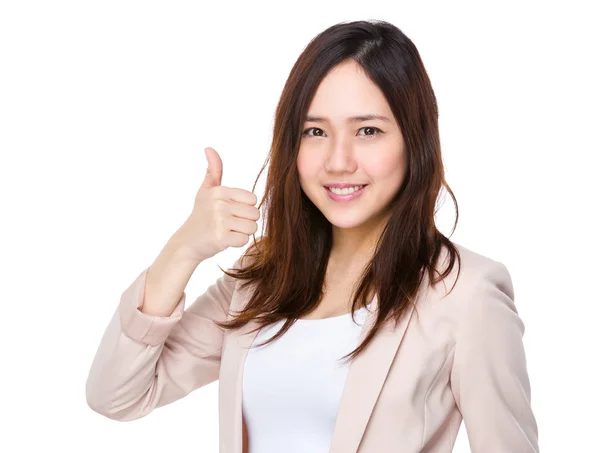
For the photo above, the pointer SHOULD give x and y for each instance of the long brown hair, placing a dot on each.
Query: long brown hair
(290, 258)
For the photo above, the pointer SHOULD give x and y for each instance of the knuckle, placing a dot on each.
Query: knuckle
(220, 205)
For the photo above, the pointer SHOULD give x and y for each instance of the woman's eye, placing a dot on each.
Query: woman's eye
(310, 129)
(374, 131)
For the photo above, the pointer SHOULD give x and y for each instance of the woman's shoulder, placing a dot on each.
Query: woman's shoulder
(474, 260)
(472, 263)
(478, 272)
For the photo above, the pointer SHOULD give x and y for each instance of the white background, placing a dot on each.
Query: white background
(105, 108)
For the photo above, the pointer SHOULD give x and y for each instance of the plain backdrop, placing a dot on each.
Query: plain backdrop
(105, 108)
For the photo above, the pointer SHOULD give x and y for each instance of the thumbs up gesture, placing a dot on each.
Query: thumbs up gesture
(222, 216)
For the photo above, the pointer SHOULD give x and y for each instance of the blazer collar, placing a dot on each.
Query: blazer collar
(364, 380)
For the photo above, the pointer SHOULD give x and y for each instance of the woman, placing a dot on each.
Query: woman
(353, 324)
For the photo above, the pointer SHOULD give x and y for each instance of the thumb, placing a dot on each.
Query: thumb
(214, 171)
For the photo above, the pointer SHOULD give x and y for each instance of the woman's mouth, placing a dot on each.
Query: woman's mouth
(346, 194)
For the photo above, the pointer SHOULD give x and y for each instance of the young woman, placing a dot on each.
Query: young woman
(352, 324)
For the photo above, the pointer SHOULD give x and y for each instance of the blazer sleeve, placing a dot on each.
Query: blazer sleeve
(489, 376)
(144, 361)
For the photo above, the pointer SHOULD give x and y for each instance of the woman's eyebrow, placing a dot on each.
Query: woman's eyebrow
(351, 119)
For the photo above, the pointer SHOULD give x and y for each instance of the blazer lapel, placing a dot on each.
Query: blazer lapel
(364, 381)
(230, 379)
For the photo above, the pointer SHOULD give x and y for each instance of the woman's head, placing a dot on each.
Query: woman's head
(351, 69)
(340, 143)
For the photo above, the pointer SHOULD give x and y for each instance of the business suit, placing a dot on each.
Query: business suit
(454, 357)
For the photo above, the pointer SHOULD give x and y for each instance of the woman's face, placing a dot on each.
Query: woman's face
(335, 148)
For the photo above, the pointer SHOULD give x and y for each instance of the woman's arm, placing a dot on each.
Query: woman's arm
(146, 361)
(489, 377)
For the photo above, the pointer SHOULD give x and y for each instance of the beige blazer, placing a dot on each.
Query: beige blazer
(453, 358)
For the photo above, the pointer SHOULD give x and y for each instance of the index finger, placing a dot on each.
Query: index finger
(240, 195)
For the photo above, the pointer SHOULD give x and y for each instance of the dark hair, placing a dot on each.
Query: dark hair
(290, 259)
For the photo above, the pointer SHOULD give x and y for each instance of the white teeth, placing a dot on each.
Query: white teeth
(345, 190)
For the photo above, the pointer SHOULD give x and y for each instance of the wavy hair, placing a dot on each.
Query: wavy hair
(290, 258)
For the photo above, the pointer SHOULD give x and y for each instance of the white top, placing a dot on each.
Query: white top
(292, 387)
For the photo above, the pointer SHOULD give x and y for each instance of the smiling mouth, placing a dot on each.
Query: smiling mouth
(356, 188)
